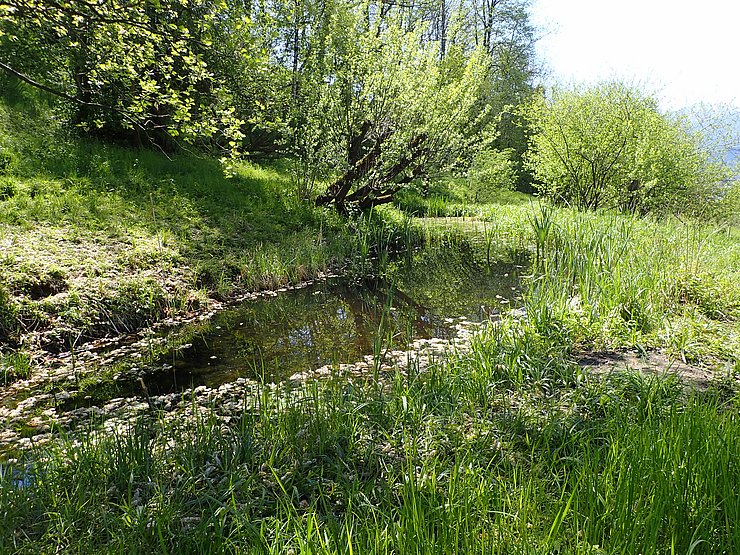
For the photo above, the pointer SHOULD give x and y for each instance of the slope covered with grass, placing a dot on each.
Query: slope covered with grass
(102, 239)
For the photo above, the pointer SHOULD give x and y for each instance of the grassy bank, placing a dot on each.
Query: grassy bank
(508, 449)
(99, 240)
(606, 281)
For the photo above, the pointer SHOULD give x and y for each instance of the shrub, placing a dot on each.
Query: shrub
(491, 172)
(7, 189)
(610, 146)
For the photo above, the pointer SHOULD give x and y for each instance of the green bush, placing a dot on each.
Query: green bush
(492, 171)
(729, 206)
(610, 146)
(7, 188)
(5, 161)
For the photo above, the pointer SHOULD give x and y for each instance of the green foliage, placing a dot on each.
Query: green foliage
(729, 206)
(609, 146)
(14, 366)
(303, 77)
(410, 92)
(7, 189)
(605, 281)
(140, 68)
(492, 171)
(510, 448)
(671, 456)
(429, 205)
(8, 311)
(409, 113)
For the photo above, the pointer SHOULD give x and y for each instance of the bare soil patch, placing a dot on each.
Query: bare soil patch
(653, 363)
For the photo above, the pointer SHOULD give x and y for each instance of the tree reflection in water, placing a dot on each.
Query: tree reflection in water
(334, 322)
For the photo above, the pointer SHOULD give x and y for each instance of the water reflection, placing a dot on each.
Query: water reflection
(335, 322)
(18, 477)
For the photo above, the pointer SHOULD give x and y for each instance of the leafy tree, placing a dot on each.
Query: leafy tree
(126, 66)
(609, 145)
(492, 171)
(504, 29)
(377, 93)
(374, 90)
(419, 115)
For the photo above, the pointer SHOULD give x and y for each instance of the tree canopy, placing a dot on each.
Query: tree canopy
(376, 93)
(132, 67)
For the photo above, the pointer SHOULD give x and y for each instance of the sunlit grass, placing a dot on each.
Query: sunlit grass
(608, 281)
(79, 220)
(507, 449)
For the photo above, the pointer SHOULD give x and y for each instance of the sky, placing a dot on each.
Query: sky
(684, 53)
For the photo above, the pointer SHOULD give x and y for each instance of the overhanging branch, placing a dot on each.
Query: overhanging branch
(70, 98)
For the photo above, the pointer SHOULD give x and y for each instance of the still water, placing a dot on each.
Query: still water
(336, 321)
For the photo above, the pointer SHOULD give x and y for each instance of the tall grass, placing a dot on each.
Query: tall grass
(610, 280)
(478, 455)
(664, 483)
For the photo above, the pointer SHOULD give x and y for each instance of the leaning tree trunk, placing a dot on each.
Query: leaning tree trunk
(338, 190)
(380, 185)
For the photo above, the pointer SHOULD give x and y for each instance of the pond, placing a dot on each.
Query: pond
(335, 321)
(430, 295)
(18, 476)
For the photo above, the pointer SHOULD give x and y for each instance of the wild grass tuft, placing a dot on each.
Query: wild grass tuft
(609, 280)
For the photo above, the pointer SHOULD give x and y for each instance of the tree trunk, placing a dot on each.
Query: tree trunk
(337, 191)
(381, 186)
(354, 148)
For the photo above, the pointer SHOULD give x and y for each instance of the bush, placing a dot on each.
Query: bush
(610, 146)
(5, 161)
(491, 172)
(729, 206)
(7, 189)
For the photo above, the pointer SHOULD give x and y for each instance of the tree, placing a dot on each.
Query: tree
(504, 30)
(136, 67)
(378, 93)
(609, 145)
(372, 89)
(412, 114)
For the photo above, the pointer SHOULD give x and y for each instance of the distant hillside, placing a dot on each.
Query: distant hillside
(721, 128)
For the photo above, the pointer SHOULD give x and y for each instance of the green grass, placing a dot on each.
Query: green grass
(605, 281)
(14, 366)
(608, 281)
(454, 197)
(509, 449)
(99, 239)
